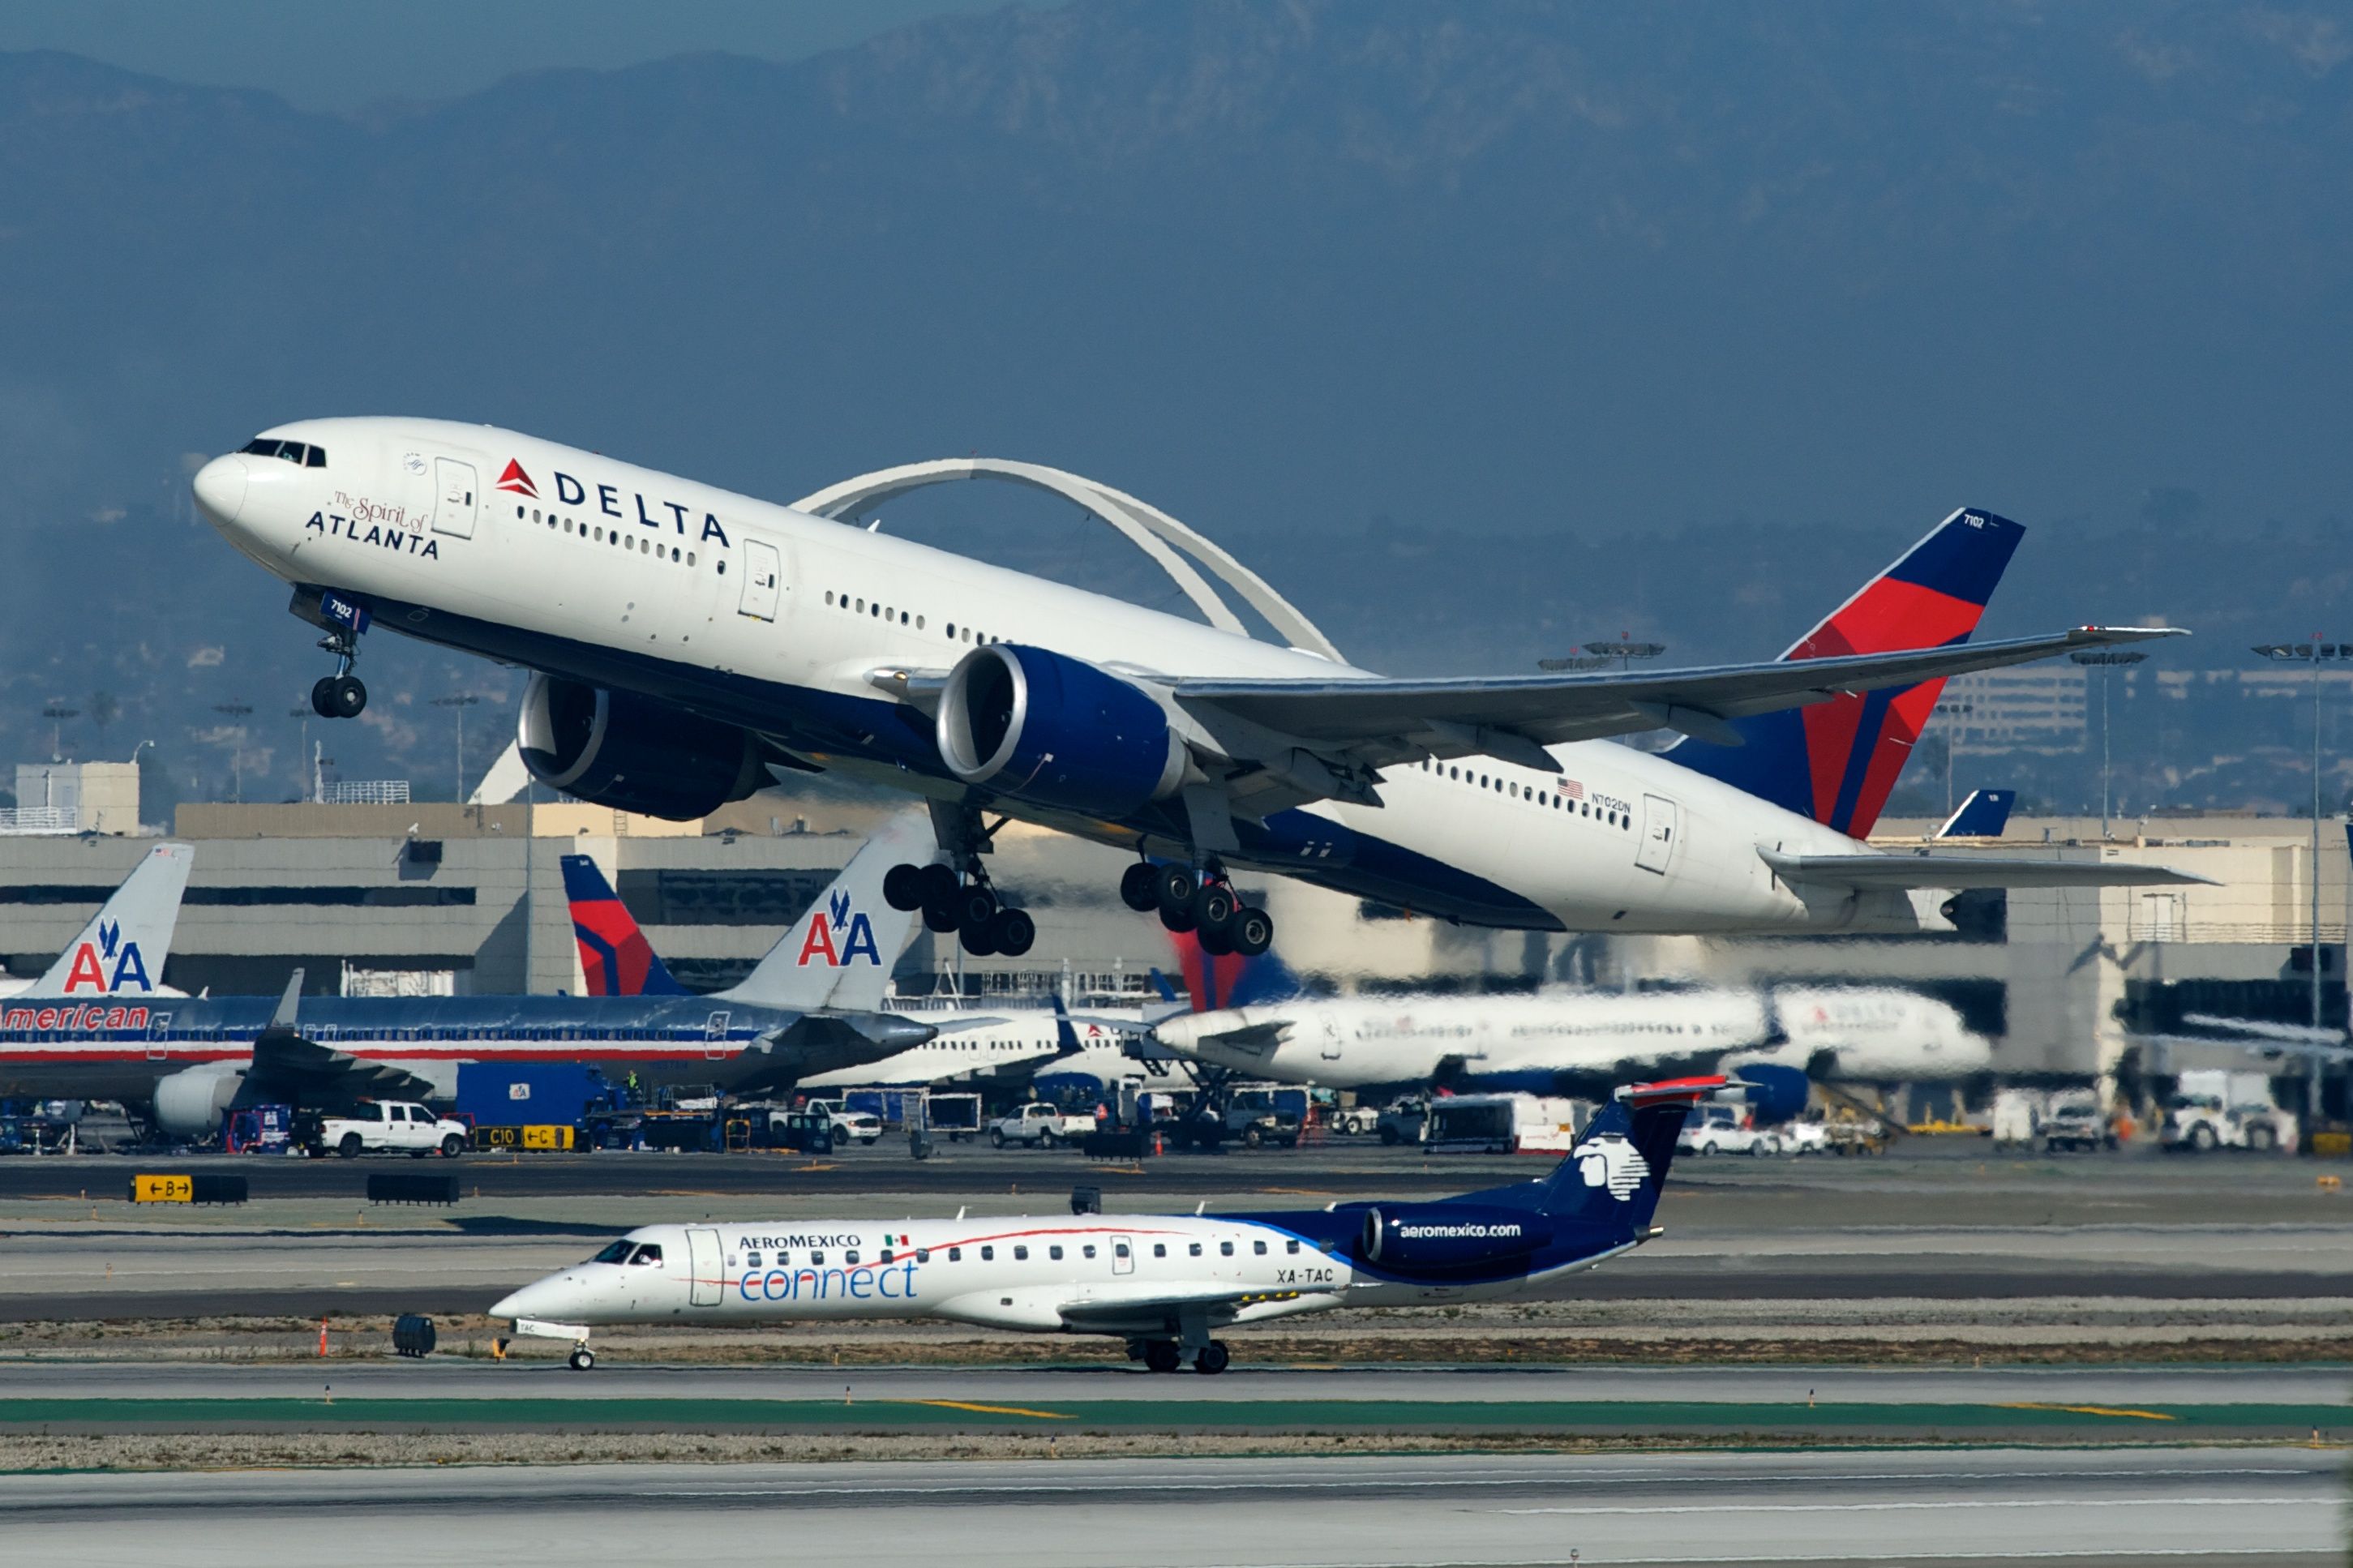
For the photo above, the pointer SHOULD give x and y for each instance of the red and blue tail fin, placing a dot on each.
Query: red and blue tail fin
(1228, 979)
(616, 959)
(1837, 762)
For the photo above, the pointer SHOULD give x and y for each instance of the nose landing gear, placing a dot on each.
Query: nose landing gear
(341, 695)
(1203, 902)
(583, 1358)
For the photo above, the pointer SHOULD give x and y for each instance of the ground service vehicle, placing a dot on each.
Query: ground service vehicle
(1039, 1122)
(389, 1127)
(1503, 1124)
(849, 1126)
(2214, 1109)
(1260, 1113)
(1724, 1129)
(2073, 1119)
(1404, 1120)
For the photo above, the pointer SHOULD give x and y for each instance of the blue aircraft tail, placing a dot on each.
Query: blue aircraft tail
(616, 959)
(1836, 761)
(1983, 816)
(1614, 1174)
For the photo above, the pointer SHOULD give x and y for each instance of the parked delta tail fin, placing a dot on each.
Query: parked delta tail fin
(1616, 1171)
(839, 954)
(1983, 816)
(1836, 761)
(121, 951)
(616, 959)
(1230, 980)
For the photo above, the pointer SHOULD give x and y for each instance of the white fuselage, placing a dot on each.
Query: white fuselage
(1041, 1274)
(760, 616)
(1528, 1042)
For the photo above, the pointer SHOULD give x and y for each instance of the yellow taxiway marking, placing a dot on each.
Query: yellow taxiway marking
(994, 1409)
(2092, 1410)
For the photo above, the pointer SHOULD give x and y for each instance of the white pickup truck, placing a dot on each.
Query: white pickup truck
(862, 1126)
(1038, 1122)
(390, 1127)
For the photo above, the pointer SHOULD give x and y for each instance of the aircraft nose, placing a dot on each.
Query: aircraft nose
(536, 1300)
(220, 488)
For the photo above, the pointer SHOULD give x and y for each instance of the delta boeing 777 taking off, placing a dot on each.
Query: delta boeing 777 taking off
(691, 645)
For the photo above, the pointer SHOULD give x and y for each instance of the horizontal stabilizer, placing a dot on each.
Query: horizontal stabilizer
(1896, 872)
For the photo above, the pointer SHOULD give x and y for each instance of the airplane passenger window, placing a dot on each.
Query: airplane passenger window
(829, 596)
(922, 1255)
(902, 617)
(1159, 1249)
(919, 623)
(1226, 1248)
(1195, 1249)
(722, 565)
(1020, 1255)
(1089, 1249)
(1259, 1247)
(1292, 1245)
(647, 1255)
(861, 606)
(951, 631)
(1119, 1249)
(751, 1260)
(1054, 1253)
(956, 1254)
(988, 1255)
(886, 1255)
(850, 1256)
(817, 1258)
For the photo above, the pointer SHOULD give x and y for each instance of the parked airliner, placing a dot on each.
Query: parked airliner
(1166, 1283)
(813, 1003)
(690, 645)
(1569, 1042)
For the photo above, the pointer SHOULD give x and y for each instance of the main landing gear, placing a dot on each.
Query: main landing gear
(965, 904)
(1167, 1355)
(341, 695)
(1205, 904)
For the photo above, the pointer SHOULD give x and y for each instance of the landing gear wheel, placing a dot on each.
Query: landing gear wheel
(583, 1358)
(1012, 933)
(903, 887)
(1139, 888)
(1214, 905)
(347, 696)
(980, 941)
(1162, 1355)
(322, 697)
(940, 884)
(939, 916)
(1212, 1359)
(1251, 930)
(1215, 942)
(975, 906)
(1177, 918)
(1173, 886)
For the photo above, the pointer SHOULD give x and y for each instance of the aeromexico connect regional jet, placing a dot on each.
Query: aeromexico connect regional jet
(1166, 1283)
(691, 644)
(813, 1003)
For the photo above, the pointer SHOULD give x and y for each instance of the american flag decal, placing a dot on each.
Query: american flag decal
(1570, 788)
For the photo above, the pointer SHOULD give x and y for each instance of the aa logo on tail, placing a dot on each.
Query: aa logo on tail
(107, 965)
(838, 935)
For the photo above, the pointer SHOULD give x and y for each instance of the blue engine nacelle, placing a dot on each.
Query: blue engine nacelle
(1776, 1094)
(1042, 727)
(1450, 1238)
(633, 752)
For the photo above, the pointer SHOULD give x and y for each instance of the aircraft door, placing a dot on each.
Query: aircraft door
(453, 498)
(1123, 1255)
(1658, 834)
(1331, 1039)
(709, 1278)
(764, 576)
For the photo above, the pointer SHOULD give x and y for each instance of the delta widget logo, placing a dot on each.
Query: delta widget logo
(516, 480)
(838, 936)
(107, 965)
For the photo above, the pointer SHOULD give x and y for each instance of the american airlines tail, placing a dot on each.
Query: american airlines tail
(120, 951)
(616, 959)
(839, 954)
(1836, 761)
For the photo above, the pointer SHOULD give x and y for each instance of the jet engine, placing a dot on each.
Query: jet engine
(1042, 727)
(188, 1104)
(1450, 1238)
(633, 752)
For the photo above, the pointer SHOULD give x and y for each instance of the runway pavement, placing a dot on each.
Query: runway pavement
(1977, 1506)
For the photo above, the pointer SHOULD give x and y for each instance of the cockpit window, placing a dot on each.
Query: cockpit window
(647, 1255)
(300, 454)
(616, 1253)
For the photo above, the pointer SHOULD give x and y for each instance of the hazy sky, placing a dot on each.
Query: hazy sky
(357, 51)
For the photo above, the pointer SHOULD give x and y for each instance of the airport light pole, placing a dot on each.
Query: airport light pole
(2312, 650)
(459, 704)
(2106, 659)
(56, 713)
(236, 713)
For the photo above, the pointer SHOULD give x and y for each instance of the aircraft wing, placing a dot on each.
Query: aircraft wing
(1958, 871)
(288, 1069)
(1512, 717)
(1117, 1312)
